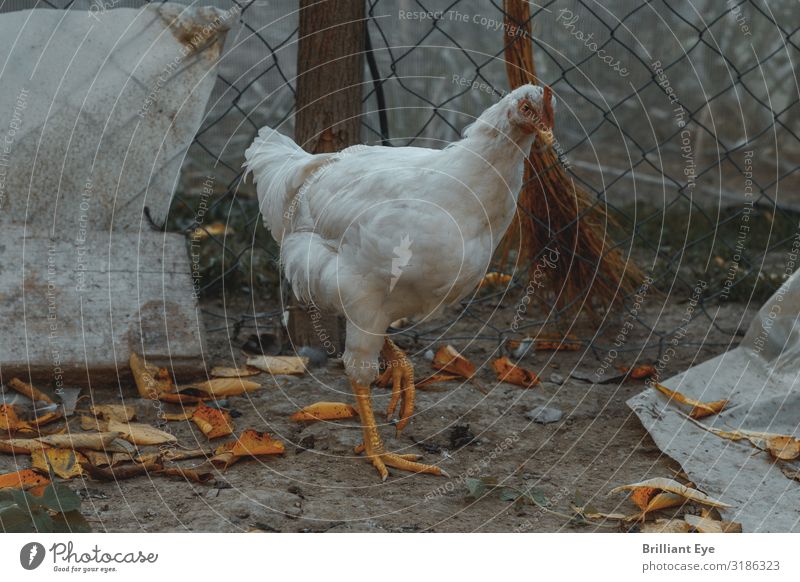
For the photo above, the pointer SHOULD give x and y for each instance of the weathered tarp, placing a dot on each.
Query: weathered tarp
(760, 378)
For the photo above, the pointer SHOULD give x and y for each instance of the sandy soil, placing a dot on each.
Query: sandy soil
(319, 485)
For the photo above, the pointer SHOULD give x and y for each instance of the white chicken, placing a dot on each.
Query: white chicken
(381, 233)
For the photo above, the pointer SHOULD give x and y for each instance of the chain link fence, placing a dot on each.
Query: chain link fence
(681, 117)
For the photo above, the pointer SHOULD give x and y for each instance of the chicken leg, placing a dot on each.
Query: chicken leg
(400, 372)
(373, 445)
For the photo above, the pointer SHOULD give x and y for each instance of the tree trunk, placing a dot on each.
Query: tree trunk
(330, 65)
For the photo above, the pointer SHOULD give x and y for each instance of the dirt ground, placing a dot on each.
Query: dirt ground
(319, 485)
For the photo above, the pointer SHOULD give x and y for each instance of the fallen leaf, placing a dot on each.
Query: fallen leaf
(250, 443)
(141, 434)
(123, 472)
(10, 422)
(699, 409)
(200, 474)
(449, 360)
(671, 486)
(216, 229)
(640, 372)
(96, 441)
(223, 387)
(278, 365)
(178, 416)
(554, 342)
(708, 525)
(324, 411)
(29, 390)
(494, 279)
(24, 479)
(175, 398)
(782, 447)
(20, 446)
(223, 372)
(93, 423)
(151, 381)
(64, 463)
(118, 412)
(213, 422)
(791, 473)
(508, 372)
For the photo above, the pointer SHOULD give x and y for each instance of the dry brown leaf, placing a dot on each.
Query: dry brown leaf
(10, 422)
(279, 365)
(151, 381)
(183, 399)
(790, 472)
(224, 372)
(213, 422)
(47, 418)
(123, 472)
(223, 387)
(549, 342)
(708, 525)
(699, 409)
(141, 434)
(118, 412)
(29, 390)
(324, 411)
(178, 416)
(783, 447)
(94, 424)
(641, 496)
(24, 479)
(20, 446)
(508, 372)
(64, 463)
(96, 441)
(449, 360)
(671, 486)
(201, 474)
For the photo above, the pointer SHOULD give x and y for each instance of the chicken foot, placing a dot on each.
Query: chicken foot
(373, 445)
(400, 372)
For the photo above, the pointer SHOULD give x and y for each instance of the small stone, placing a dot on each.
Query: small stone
(556, 378)
(317, 358)
(429, 355)
(544, 414)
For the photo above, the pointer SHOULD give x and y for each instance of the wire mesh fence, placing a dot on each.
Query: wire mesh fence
(682, 118)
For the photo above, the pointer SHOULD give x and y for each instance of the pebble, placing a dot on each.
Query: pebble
(556, 378)
(544, 414)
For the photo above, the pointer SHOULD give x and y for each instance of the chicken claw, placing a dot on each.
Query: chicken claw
(400, 372)
(373, 445)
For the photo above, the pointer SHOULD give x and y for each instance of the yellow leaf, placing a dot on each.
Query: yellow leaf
(20, 446)
(29, 390)
(141, 434)
(223, 387)
(10, 422)
(699, 409)
(324, 411)
(118, 412)
(449, 360)
(671, 486)
(249, 444)
(64, 463)
(97, 441)
(708, 525)
(782, 447)
(280, 365)
(151, 381)
(223, 372)
(213, 422)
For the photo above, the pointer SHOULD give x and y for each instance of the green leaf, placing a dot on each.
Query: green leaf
(16, 520)
(71, 522)
(537, 497)
(508, 494)
(60, 498)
